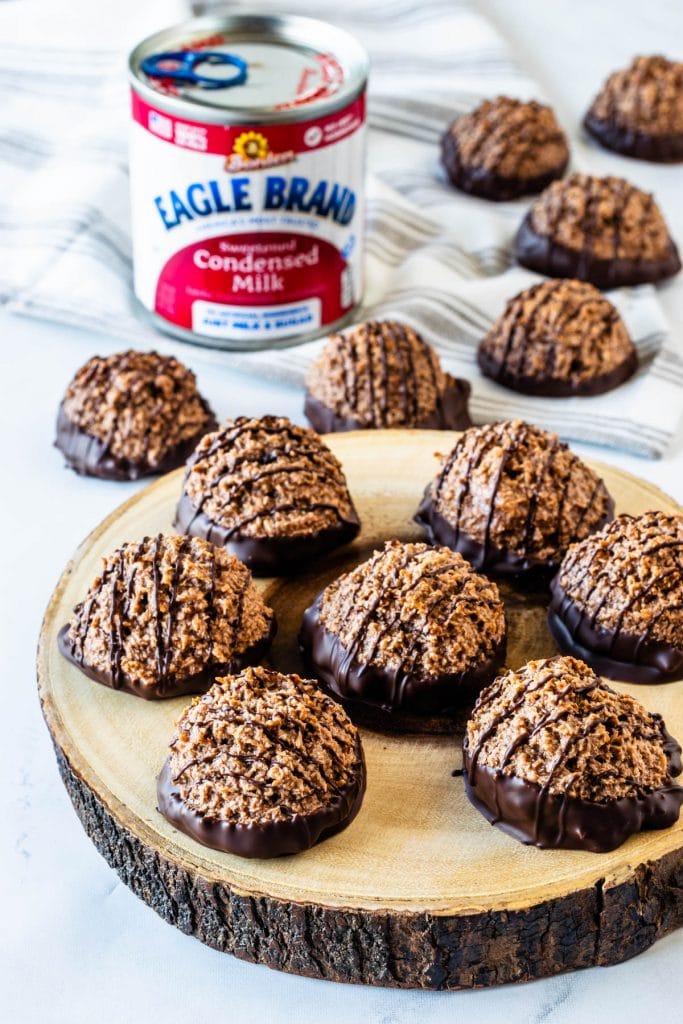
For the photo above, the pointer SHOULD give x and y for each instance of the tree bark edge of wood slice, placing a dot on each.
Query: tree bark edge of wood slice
(598, 926)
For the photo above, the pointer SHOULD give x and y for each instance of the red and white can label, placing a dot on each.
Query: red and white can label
(248, 233)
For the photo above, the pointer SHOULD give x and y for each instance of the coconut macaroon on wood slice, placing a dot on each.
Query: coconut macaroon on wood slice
(166, 616)
(270, 492)
(407, 639)
(419, 890)
(511, 498)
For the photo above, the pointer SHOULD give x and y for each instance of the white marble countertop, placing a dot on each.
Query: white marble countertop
(75, 944)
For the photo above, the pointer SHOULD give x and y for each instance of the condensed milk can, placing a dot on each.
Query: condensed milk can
(247, 168)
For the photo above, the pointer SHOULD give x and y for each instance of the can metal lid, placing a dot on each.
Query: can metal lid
(249, 69)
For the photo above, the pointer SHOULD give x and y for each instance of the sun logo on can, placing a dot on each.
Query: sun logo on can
(251, 146)
(251, 152)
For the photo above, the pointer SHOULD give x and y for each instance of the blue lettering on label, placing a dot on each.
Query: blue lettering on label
(297, 194)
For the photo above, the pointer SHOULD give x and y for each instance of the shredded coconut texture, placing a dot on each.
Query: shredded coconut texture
(607, 218)
(511, 138)
(560, 330)
(647, 96)
(268, 478)
(519, 489)
(418, 608)
(262, 747)
(556, 724)
(629, 577)
(380, 373)
(168, 607)
(141, 405)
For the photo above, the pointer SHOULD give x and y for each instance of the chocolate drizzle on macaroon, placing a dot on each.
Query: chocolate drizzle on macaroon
(382, 374)
(407, 637)
(556, 758)
(270, 492)
(618, 599)
(504, 149)
(165, 617)
(131, 415)
(261, 766)
(639, 111)
(602, 230)
(559, 338)
(511, 498)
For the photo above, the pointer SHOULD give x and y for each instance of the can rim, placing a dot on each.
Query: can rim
(295, 30)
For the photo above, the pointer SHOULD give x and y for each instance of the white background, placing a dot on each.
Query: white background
(75, 944)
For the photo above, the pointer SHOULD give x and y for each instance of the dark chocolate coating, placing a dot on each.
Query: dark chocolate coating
(550, 388)
(660, 149)
(553, 821)
(388, 693)
(89, 456)
(479, 181)
(609, 652)
(170, 686)
(542, 254)
(486, 557)
(265, 556)
(269, 839)
(451, 413)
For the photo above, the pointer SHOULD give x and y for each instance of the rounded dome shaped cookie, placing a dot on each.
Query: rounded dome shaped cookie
(618, 599)
(602, 230)
(504, 149)
(262, 765)
(412, 632)
(270, 492)
(382, 374)
(639, 110)
(559, 338)
(556, 758)
(131, 415)
(165, 616)
(511, 498)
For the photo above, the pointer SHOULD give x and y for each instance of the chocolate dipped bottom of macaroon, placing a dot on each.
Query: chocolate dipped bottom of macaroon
(511, 498)
(639, 111)
(602, 230)
(504, 149)
(131, 415)
(263, 765)
(165, 616)
(270, 492)
(617, 600)
(559, 338)
(407, 639)
(382, 374)
(557, 759)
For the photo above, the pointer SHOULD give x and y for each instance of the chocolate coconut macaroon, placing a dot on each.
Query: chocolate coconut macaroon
(262, 765)
(270, 492)
(639, 111)
(131, 415)
(559, 338)
(165, 616)
(383, 374)
(601, 230)
(504, 149)
(618, 599)
(511, 498)
(407, 639)
(556, 758)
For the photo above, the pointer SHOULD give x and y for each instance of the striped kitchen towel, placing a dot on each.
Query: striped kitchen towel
(437, 259)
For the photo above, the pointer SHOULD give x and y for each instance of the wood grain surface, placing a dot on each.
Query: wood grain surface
(419, 891)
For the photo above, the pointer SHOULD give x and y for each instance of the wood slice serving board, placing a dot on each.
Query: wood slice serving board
(419, 891)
